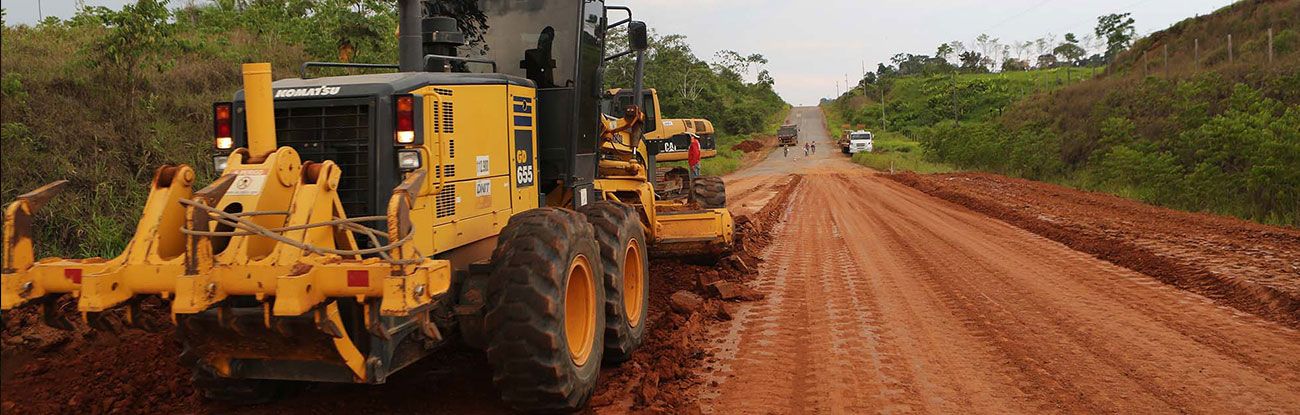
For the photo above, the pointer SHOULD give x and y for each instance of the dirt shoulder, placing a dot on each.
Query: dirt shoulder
(1249, 266)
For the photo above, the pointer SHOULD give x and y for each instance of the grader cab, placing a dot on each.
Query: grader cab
(362, 221)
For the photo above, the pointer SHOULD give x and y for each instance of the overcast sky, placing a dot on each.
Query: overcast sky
(812, 44)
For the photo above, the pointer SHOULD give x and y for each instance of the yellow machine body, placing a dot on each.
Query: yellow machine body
(271, 234)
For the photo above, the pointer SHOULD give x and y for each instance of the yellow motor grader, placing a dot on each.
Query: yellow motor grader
(362, 221)
(669, 139)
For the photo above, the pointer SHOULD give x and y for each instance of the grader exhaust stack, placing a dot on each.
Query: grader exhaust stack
(261, 109)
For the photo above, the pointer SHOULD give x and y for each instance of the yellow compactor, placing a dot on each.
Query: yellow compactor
(360, 222)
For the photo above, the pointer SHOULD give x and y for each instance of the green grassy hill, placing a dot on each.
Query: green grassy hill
(1205, 135)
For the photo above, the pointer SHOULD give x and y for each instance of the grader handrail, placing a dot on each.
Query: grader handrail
(253, 229)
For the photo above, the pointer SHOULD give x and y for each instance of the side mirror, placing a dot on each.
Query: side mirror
(637, 37)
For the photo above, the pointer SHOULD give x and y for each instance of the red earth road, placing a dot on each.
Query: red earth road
(881, 299)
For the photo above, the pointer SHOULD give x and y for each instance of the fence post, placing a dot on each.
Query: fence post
(1145, 71)
(1229, 48)
(1270, 46)
(1196, 55)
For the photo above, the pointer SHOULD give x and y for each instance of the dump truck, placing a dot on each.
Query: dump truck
(361, 222)
(788, 135)
(859, 141)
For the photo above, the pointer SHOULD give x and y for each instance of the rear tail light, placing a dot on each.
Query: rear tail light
(405, 119)
(221, 126)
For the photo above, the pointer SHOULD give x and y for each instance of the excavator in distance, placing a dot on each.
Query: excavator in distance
(513, 215)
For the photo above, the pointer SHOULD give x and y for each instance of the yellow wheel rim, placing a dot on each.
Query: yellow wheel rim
(580, 310)
(633, 283)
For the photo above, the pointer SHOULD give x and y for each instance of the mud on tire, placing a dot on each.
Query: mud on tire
(620, 236)
(526, 309)
(709, 192)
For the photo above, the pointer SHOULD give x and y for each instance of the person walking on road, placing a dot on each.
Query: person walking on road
(787, 151)
(814, 147)
(805, 149)
(693, 156)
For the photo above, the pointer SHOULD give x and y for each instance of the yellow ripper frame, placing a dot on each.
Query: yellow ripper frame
(271, 228)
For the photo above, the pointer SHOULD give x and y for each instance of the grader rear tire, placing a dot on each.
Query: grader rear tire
(709, 192)
(545, 311)
(627, 289)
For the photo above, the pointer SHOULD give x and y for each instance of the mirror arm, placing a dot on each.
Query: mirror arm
(618, 55)
(620, 22)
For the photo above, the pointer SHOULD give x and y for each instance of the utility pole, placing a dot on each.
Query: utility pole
(847, 88)
(1229, 49)
(882, 105)
(1270, 46)
(864, 77)
(41, 13)
(956, 117)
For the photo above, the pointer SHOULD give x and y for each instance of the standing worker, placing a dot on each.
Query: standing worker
(693, 156)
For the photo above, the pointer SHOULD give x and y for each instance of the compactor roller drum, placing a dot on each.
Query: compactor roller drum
(623, 253)
(545, 311)
(709, 192)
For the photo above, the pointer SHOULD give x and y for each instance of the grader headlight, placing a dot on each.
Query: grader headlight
(219, 163)
(409, 159)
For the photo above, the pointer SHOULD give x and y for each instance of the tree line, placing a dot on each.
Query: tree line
(985, 53)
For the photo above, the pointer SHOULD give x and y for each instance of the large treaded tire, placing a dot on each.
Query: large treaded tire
(709, 192)
(618, 226)
(527, 346)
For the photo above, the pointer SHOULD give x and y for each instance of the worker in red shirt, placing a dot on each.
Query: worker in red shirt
(693, 156)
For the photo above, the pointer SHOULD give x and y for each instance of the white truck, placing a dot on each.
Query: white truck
(860, 141)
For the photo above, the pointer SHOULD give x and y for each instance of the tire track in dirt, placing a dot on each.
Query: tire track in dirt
(811, 345)
(996, 302)
(886, 300)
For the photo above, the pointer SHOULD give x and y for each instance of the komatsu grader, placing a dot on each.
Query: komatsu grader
(512, 215)
(668, 139)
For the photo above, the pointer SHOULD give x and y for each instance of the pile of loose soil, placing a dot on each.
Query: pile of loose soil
(660, 377)
(1246, 265)
(748, 146)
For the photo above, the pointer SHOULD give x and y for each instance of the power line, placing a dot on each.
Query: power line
(1016, 16)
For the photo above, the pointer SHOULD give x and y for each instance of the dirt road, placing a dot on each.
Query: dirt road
(881, 299)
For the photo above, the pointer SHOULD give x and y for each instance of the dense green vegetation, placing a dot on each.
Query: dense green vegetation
(104, 98)
(1211, 135)
(918, 101)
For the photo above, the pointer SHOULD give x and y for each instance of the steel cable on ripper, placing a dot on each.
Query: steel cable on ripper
(249, 228)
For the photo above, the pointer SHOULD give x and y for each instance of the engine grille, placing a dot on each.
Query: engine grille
(340, 133)
(445, 201)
